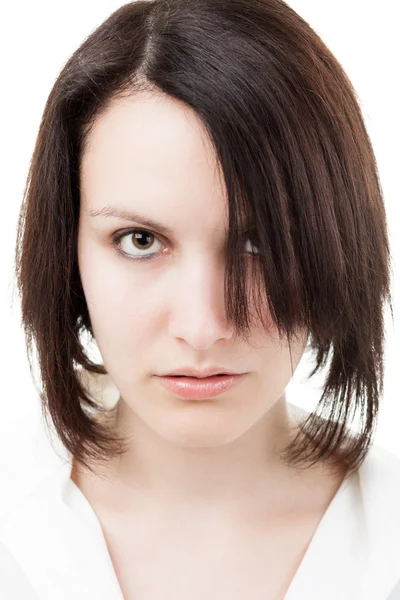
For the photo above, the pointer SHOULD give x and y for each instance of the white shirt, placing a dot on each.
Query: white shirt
(52, 546)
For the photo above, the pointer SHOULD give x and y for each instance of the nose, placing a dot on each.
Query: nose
(197, 305)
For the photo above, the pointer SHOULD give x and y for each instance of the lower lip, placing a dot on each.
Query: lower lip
(192, 388)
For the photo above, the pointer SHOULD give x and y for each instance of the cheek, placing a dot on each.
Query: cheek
(120, 302)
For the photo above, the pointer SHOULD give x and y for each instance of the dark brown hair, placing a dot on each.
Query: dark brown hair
(288, 132)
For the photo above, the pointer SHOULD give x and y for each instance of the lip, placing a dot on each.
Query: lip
(200, 373)
(192, 388)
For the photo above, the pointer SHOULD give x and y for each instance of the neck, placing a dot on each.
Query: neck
(232, 476)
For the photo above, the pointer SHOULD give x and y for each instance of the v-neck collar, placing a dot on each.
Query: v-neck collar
(335, 561)
(335, 546)
(72, 559)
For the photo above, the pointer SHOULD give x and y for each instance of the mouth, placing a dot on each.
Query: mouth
(200, 387)
(193, 377)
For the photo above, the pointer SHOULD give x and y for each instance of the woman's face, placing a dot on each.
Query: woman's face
(149, 155)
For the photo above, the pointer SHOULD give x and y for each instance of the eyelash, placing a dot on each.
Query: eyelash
(117, 238)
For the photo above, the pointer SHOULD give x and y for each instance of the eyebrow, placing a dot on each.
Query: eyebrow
(129, 215)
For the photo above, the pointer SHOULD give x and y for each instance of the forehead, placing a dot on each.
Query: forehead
(150, 152)
(147, 135)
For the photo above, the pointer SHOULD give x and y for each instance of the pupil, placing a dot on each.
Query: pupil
(140, 237)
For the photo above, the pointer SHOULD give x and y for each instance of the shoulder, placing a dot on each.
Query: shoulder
(33, 485)
(379, 486)
(379, 477)
(14, 584)
(379, 480)
(381, 463)
(27, 475)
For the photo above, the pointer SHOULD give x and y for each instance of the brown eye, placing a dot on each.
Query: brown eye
(142, 239)
(135, 242)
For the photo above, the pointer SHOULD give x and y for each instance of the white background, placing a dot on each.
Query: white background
(38, 37)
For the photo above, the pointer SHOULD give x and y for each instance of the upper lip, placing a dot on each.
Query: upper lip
(190, 372)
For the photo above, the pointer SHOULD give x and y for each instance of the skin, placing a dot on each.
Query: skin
(150, 154)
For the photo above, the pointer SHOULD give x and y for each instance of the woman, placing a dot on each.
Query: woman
(204, 202)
